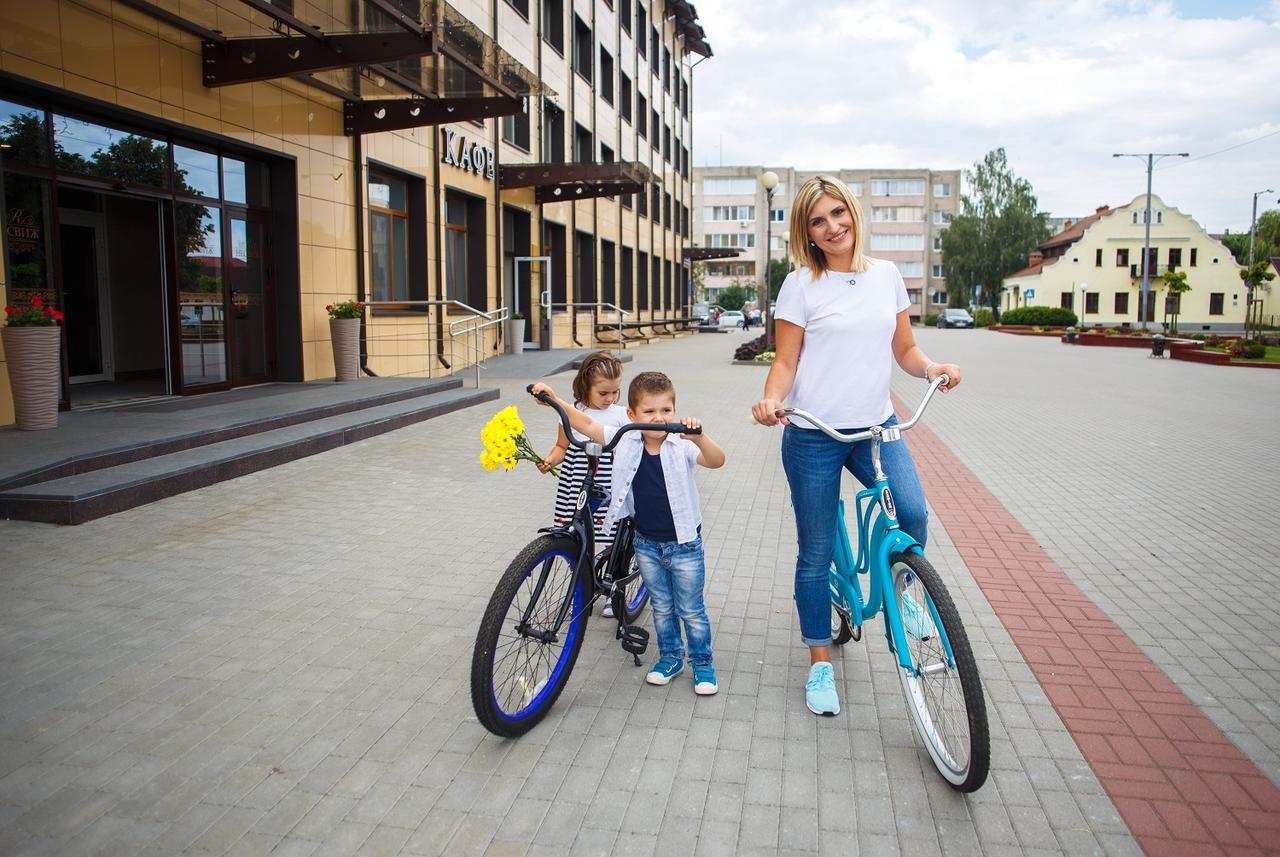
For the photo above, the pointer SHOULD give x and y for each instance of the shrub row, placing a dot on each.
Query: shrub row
(1049, 316)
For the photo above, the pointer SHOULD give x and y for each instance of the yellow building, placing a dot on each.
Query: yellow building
(193, 182)
(1095, 268)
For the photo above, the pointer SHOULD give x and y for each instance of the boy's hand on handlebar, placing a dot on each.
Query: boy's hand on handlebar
(691, 423)
(768, 412)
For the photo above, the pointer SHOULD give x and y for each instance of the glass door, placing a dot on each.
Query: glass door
(250, 296)
(85, 296)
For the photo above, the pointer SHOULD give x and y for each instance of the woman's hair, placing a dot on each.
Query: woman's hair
(649, 384)
(597, 366)
(808, 255)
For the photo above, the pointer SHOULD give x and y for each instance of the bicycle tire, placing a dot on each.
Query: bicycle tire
(516, 678)
(958, 742)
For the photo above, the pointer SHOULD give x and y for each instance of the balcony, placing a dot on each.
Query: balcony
(1135, 271)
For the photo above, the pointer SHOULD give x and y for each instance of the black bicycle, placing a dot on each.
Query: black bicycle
(533, 628)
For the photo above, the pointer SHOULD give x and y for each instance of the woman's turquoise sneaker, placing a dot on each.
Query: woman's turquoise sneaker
(664, 670)
(820, 691)
(915, 620)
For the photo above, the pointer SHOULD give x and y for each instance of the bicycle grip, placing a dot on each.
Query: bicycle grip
(541, 397)
(681, 428)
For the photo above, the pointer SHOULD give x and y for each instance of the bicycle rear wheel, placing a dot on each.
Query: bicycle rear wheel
(945, 701)
(633, 597)
(517, 673)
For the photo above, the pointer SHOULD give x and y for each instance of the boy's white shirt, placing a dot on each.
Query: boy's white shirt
(679, 458)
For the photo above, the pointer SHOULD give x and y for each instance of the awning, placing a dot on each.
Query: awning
(563, 182)
(701, 254)
(417, 63)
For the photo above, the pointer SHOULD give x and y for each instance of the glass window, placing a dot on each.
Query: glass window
(942, 189)
(195, 173)
(897, 187)
(245, 182)
(897, 214)
(456, 248)
(96, 150)
(388, 238)
(24, 136)
(941, 217)
(198, 230)
(727, 187)
(909, 241)
(26, 200)
(910, 269)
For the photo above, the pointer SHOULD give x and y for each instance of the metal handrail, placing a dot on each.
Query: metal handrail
(548, 306)
(469, 326)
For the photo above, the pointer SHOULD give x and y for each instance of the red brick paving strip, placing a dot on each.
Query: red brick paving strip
(1179, 784)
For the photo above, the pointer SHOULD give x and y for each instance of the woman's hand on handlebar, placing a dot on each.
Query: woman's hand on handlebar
(951, 370)
(768, 412)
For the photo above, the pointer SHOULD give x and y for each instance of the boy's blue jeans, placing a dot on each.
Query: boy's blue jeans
(674, 574)
(813, 462)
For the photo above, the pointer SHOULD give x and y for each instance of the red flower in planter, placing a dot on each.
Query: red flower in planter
(36, 315)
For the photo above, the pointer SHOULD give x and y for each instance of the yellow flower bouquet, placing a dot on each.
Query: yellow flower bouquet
(505, 442)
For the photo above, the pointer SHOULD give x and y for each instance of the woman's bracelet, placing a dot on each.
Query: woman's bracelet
(926, 370)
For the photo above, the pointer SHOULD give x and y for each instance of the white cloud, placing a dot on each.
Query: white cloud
(1061, 86)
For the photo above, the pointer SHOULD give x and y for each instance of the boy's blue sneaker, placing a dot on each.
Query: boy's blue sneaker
(820, 691)
(915, 619)
(704, 680)
(665, 670)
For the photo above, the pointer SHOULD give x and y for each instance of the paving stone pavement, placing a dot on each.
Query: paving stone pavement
(280, 664)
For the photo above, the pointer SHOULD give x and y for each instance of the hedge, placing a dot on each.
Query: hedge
(1048, 316)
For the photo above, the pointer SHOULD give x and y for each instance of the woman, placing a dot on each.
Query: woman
(840, 319)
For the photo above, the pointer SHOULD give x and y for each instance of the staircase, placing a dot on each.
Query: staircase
(102, 462)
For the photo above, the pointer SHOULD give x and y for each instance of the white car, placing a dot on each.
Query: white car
(732, 318)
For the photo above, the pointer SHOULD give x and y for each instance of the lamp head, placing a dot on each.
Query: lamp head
(769, 179)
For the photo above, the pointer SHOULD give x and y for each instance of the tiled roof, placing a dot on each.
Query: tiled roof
(1032, 270)
(1072, 233)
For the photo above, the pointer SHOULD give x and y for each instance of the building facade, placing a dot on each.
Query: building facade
(1094, 267)
(194, 183)
(905, 214)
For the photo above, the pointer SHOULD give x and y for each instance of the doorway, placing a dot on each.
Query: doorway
(112, 278)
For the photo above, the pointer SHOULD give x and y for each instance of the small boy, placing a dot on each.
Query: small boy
(653, 483)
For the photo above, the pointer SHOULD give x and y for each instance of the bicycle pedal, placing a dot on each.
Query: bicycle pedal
(634, 639)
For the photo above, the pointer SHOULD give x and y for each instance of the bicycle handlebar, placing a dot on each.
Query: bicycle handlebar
(669, 428)
(874, 430)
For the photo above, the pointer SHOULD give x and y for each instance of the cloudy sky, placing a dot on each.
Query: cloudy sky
(1060, 84)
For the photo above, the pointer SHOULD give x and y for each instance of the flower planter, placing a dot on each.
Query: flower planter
(32, 358)
(345, 333)
(515, 335)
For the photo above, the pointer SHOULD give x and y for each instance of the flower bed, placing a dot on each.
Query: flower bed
(1028, 330)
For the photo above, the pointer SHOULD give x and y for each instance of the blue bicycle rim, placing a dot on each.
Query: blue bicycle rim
(570, 638)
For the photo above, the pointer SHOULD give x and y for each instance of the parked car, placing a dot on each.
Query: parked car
(955, 317)
(731, 318)
(701, 313)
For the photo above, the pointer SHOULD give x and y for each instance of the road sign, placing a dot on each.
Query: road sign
(1029, 294)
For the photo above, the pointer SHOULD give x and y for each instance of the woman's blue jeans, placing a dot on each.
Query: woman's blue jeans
(813, 462)
(675, 574)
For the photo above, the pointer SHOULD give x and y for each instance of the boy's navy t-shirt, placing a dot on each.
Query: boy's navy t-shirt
(652, 508)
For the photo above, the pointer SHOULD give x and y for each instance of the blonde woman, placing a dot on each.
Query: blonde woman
(841, 323)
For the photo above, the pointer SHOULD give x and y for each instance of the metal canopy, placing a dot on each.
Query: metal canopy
(700, 254)
(394, 114)
(245, 60)
(564, 182)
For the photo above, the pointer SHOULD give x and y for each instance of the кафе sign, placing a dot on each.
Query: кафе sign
(473, 157)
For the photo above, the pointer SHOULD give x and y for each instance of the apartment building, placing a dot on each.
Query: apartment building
(194, 182)
(905, 213)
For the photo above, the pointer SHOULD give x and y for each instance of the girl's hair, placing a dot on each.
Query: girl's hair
(808, 255)
(601, 364)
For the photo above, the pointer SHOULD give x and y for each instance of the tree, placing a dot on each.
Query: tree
(778, 270)
(698, 275)
(998, 225)
(1266, 239)
(1253, 278)
(1176, 283)
(732, 297)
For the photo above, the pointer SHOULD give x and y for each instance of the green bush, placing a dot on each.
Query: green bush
(1255, 352)
(984, 318)
(1049, 316)
(931, 319)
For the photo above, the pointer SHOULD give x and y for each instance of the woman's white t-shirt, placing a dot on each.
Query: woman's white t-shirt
(846, 359)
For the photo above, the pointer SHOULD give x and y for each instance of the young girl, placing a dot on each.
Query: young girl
(595, 392)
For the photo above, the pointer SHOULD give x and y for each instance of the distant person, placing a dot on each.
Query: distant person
(746, 321)
(840, 323)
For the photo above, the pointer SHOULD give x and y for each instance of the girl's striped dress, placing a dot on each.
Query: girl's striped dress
(573, 470)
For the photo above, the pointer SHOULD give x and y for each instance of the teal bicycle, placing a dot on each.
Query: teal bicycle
(923, 628)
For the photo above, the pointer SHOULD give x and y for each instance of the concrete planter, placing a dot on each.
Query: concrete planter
(515, 335)
(345, 333)
(32, 355)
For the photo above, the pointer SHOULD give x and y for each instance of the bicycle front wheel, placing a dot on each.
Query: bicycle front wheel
(524, 653)
(945, 698)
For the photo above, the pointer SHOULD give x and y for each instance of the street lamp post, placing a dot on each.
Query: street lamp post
(769, 180)
(1248, 295)
(1084, 290)
(1151, 158)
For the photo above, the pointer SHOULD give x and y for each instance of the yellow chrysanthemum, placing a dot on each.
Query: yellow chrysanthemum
(487, 461)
